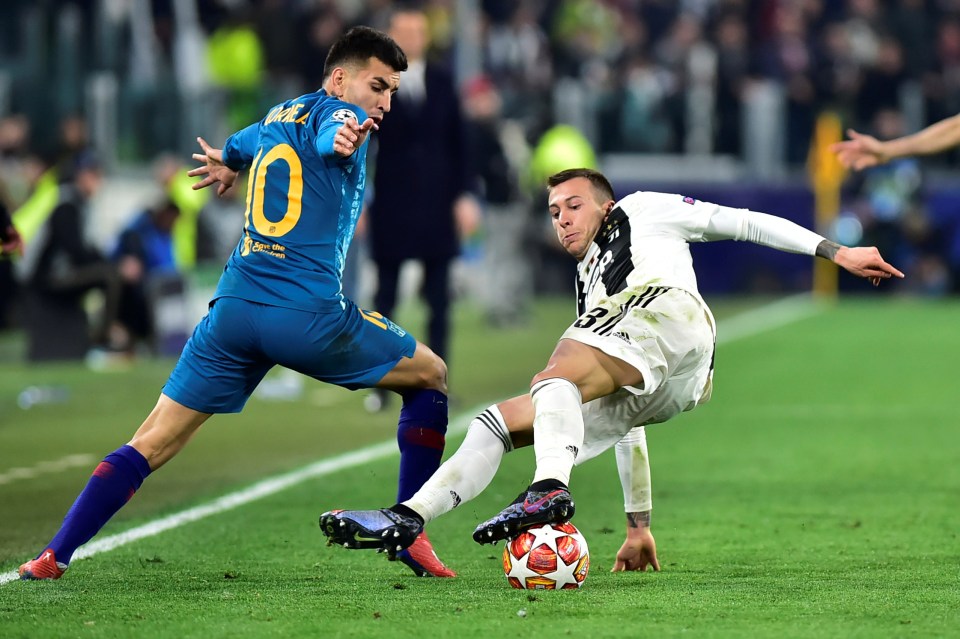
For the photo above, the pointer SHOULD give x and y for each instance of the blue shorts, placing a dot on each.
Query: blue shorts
(238, 341)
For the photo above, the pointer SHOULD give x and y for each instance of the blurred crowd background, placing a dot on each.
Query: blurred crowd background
(718, 99)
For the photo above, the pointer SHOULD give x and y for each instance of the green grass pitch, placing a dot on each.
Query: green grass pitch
(815, 496)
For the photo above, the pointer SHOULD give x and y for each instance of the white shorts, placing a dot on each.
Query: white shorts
(665, 333)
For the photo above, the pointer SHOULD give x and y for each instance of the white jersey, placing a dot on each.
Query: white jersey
(643, 244)
(637, 301)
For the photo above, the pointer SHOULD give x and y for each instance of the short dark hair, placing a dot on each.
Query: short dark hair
(358, 45)
(601, 185)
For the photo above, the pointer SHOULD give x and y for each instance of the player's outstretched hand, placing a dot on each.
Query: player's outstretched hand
(213, 169)
(637, 552)
(861, 151)
(351, 135)
(865, 261)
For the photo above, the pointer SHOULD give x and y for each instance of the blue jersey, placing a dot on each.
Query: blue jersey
(303, 201)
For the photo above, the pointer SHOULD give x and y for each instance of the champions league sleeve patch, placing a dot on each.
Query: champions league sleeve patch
(689, 200)
(342, 115)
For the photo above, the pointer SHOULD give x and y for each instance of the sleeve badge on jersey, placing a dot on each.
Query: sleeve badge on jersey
(689, 200)
(342, 115)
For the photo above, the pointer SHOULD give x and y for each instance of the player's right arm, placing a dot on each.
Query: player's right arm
(341, 133)
(863, 151)
(784, 235)
(639, 549)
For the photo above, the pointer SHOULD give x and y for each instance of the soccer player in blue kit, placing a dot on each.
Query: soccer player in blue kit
(279, 300)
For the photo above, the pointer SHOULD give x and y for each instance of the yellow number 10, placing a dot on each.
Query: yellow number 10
(257, 182)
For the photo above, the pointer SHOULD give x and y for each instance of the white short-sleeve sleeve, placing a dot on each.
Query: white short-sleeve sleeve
(671, 213)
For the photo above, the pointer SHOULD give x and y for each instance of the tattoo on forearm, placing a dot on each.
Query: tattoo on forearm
(827, 249)
(639, 520)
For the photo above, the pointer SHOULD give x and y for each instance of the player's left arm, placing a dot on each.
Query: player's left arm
(343, 130)
(241, 147)
(784, 235)
(223, 165)
(639, 549)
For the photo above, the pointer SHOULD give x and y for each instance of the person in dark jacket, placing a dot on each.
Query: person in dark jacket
(60, 266)
(422, 204)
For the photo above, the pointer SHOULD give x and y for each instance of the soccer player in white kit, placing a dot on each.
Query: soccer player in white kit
(640, 352)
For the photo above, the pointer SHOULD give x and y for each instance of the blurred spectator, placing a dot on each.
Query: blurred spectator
(913, 26)
(889, 200)
(838, 74)
(60, 267)
(172, 178)
(322, 26)
(733, 65)
(74, 142)
(882, 82)
(500, 155)
(944, 87)
(10, 244)
(584, 33)
(20, 169)
(277, 23)
(787, 59)
(235, 60)
(672, 54)
(144, 256)
(517, 55)
(865, 25)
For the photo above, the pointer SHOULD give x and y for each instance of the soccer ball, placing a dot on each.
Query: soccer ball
(550, 557)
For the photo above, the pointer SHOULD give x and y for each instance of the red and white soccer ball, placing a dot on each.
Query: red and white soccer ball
(551, 557)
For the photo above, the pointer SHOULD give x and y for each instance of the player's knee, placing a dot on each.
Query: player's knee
(546, 374)
(434, 374)
(429, 371)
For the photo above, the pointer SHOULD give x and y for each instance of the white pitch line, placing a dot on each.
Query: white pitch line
(46, 467)
(769, 317)
(740, 326)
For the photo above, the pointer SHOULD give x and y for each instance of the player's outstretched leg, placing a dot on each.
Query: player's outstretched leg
(112, 484)
(544, 502)
(384, 530)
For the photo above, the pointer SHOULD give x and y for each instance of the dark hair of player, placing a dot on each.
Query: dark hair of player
(601, 185)
(358, 45)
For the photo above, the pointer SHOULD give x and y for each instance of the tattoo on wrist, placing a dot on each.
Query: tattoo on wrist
(639, 520)
(827, 249)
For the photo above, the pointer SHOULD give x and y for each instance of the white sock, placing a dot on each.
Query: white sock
(468, 471)
(557, 428)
